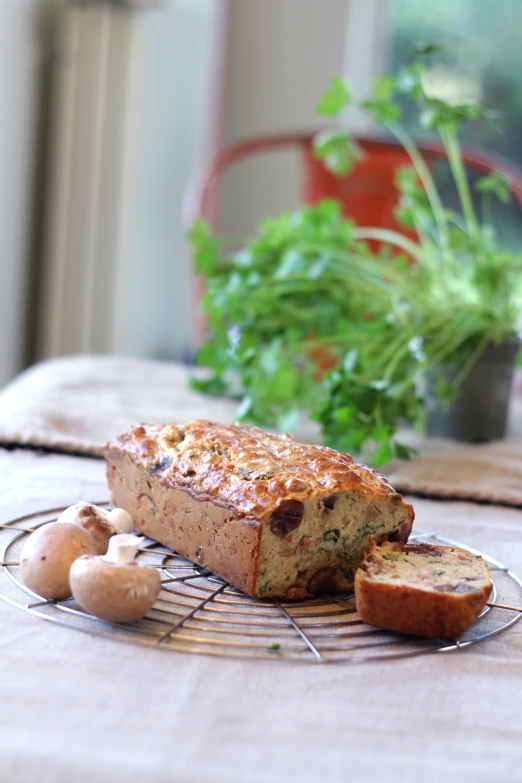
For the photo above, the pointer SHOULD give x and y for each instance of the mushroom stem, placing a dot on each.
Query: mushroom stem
(121, 520)
(123, 548)
(93, 519)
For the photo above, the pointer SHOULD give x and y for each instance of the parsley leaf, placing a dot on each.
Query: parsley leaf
(337, 151)
(495, 183)
(334, 99)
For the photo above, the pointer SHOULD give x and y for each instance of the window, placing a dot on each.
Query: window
(481, 59)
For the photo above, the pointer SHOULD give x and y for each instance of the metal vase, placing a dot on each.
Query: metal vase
(480, 413)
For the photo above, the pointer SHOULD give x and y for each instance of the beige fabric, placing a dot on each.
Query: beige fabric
(80, 709)
(443, 468)
(76, 404)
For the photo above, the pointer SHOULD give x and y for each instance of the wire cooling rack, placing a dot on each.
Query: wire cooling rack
(198, 612)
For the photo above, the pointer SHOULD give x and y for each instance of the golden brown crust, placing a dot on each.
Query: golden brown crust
(441, 606)
(244, 468)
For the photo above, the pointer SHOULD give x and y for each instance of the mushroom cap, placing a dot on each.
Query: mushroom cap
(92, 519)
(47, 556)
(119, 593)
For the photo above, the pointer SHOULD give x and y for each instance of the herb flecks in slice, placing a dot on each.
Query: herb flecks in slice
(331, 535)
(366, 529)
(264, 587)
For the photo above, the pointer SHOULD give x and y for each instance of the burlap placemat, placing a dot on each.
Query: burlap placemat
(491, 472)
(77, 403)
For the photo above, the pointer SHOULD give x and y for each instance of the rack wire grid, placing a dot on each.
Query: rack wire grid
(200, 613)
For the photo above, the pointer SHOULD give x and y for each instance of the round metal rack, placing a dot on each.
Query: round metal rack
(198, 612)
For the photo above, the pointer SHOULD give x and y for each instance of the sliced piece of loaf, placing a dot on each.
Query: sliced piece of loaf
(274, 517)
(422, 589)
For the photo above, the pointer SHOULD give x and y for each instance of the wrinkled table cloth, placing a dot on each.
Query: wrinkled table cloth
(81, 708)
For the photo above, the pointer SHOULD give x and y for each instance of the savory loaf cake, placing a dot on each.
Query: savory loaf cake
(274, 517)
(422, 589)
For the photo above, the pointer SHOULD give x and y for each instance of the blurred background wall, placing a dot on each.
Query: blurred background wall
(279, 57)
(106, 109)
(134, 101)
(20, 70)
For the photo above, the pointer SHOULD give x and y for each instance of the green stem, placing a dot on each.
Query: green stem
(399, 346)
(371, 271)
(395, 362)
(391, 350)
(435, 358)
(423, 232)
(450, 345)
(427, 181)
(452, 147)
(469, 363)
(457, 221)
(390, 238)
(378, 415)
(487, 212)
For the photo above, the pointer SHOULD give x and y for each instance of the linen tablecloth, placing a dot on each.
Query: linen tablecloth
(77, 708)
(80, 708)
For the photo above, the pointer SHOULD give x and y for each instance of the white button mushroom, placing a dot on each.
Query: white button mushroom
(48, 554)
(113, 587)
(101, 525)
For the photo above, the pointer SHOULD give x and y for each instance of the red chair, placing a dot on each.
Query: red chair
(368, 194)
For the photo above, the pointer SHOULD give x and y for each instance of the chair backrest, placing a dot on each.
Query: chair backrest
(368, 194)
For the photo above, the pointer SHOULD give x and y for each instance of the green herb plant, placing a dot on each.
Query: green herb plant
(304, 318)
